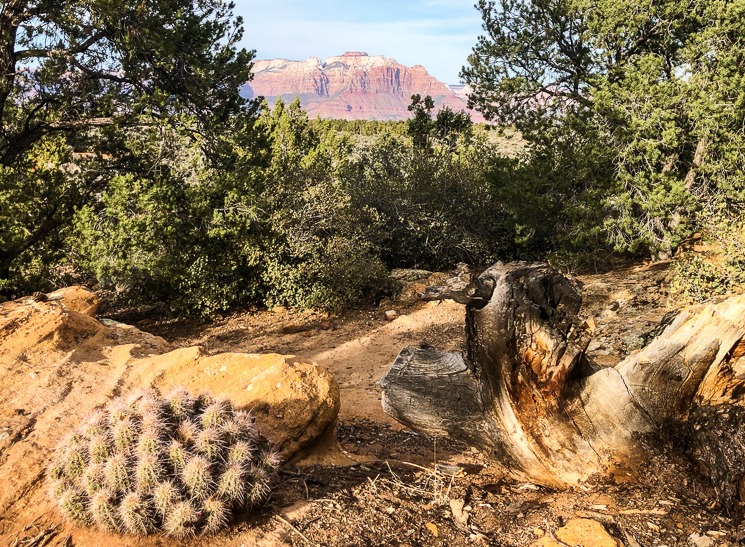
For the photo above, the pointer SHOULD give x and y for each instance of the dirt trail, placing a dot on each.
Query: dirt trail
(379, 486)
(357, 348)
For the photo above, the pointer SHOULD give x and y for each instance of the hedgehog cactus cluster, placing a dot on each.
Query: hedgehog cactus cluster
(180, 464)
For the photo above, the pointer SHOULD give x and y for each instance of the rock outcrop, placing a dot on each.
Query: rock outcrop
(353, 86)
(57, 363)
(293, 402)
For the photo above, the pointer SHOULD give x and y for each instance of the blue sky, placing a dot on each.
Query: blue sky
(438, 34)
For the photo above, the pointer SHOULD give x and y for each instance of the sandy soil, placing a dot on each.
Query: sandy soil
(357, 347)
(384, 485)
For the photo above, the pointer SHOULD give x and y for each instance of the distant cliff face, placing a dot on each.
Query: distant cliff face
(353, 86)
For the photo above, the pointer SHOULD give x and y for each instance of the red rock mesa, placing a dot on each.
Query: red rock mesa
(353, 86)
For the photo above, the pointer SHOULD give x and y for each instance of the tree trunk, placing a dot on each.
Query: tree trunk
(526, 392)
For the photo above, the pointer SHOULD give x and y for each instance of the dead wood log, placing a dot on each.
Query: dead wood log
(526, 392)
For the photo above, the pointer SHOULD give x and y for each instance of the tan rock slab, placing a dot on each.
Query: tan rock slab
(576, 532)
(293, 402)
(57, 364)
(77, 298)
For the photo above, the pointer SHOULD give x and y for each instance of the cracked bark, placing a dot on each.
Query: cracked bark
(526, 392)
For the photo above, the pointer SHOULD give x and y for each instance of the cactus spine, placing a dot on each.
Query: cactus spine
(180, 464)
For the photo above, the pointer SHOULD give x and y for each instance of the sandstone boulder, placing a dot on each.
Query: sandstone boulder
(77, 298)
(57, 363)
(293, 402)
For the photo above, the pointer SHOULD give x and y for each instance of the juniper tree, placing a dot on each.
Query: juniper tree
(633, 110)
(74, 73)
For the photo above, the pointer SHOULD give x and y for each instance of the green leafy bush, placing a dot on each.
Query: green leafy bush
(716, 267)
(181, 464)
(430, 193)
(182, 232)
(321, 249)
(64, 119)
(633, 114)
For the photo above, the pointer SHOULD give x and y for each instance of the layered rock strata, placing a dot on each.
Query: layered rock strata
(353, 86)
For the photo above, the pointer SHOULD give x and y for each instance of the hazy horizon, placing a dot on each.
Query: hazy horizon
(437, 34)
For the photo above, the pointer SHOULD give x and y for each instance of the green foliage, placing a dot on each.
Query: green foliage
(718, 267)
(157, 480)
(68, 66)
(182, 231)
(175, 200)
(37, 196)
(429, 192)
(319, 253)
(623, 106)
(76, 77)
(359, 128)
(444, 129)
(162, 185)
(204, 239)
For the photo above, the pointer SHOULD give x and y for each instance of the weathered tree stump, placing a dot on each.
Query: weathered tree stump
(526, 392)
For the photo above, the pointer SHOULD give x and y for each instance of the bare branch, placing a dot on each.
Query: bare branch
(69, 52)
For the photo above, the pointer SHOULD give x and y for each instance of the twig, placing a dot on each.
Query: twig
(311, 521)
(388, 465)
(291, 473)
(32, 523)
(42, 538)
(654, 512)
(400, 484)
(447, 494)
(427, 469)
(372, 483)
(294, 529)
